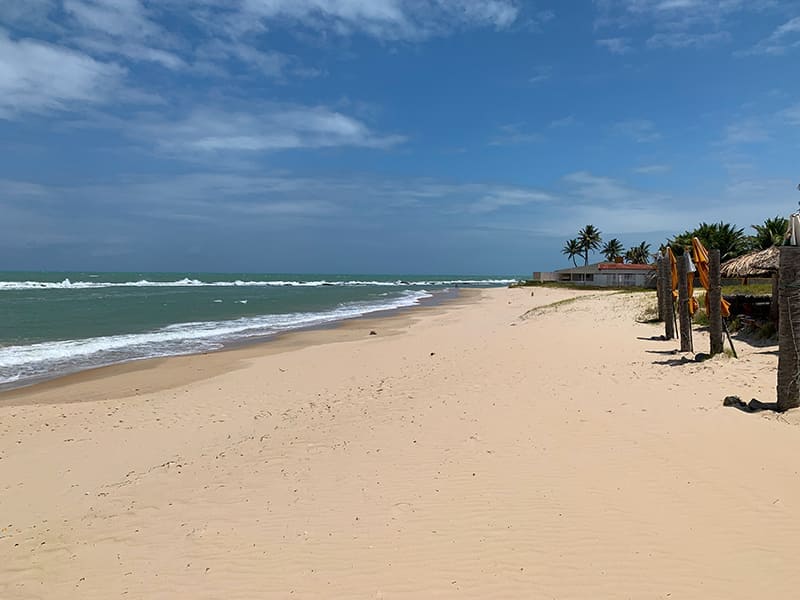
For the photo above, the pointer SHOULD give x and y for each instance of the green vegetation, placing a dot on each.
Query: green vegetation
(767, 331)
(758, 329)
(572, 249)
(700, 317)
(553, 306)
(612, 250)
(638, 255)
(753, 289)
(771, 233)
(730, 241)
(589, 239)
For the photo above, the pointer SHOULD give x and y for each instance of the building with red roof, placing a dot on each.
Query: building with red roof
(603, 274)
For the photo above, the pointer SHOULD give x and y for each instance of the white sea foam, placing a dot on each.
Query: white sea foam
(59, 357)
(66, 284)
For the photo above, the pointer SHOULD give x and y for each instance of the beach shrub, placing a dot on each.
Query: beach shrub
(766, 331)
(700, 318)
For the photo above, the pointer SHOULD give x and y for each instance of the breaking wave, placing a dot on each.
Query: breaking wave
(50, 359)
(66, 284)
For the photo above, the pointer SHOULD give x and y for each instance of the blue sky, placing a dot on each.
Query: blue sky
(449, 136)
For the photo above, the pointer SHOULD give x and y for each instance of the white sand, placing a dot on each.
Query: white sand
(463, 452)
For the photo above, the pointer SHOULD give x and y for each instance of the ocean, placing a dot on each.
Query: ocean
(52, 324)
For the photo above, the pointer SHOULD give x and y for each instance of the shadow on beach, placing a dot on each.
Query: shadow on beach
(676, 362)
(754, 406)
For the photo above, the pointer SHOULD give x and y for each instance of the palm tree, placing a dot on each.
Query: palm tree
(730, 241)
(589, 239)
(612, 249)
(638, 255)
(572, 249)
(771, 233)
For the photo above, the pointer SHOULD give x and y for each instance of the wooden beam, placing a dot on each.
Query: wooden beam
(684, 317)
(714, 302)
(660, 289)
(789, 329)
(669, 322)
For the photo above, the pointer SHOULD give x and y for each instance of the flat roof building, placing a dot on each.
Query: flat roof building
(603, 274)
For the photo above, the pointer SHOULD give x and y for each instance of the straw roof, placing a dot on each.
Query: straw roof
(760, 263)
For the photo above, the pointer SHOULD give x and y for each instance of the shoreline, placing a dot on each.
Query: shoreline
(225, 359)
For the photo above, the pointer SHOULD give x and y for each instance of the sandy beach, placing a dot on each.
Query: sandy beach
(510, 444)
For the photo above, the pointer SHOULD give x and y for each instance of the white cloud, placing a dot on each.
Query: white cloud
(117, 18)
(679, 23)
(639, 130)
(31, 13)
(541, 74)
(207, 132)
(595, 188)
(384, 19)
(673, 14)
(791, 115)
(652, 169)
(122, 28)
(745, 132)
(133, 51)
(784, 38)
(615, 45)
(682, 39)
(211, 57)
(505, 197)
(513, 134)
(21, 190)
(36, 77)
(568, 121)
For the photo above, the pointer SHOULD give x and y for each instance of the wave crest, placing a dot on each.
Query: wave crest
(66, 284)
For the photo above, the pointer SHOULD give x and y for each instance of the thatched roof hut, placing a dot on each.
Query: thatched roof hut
(761, 263)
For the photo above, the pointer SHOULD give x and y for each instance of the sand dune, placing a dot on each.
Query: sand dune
(484, 449)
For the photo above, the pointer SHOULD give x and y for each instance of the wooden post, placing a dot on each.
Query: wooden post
(684, 317)
(714, 302)
(773, 303)
(669, 323)
(789, 329)
(660, 288)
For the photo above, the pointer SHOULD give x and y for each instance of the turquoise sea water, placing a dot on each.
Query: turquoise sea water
(57, 323)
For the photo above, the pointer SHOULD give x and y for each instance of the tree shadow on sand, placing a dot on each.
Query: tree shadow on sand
(754, 406)
(676, 362)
